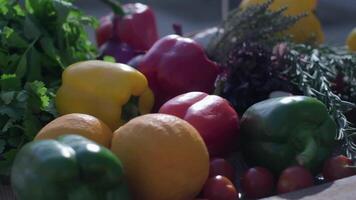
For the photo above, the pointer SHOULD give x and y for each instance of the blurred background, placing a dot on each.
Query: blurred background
(338, 17)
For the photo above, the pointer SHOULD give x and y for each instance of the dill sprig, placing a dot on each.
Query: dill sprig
(313, 70)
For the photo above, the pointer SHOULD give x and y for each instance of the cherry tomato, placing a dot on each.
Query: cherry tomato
(294, 178)
(335, 168)
(219, 166)
(219, 188)
(257, 182)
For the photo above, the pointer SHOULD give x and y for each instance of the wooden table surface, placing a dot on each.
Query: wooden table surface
(343, 189)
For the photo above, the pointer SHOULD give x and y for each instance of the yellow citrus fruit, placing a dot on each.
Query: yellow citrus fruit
(295, 7)
(80, 124)
(164, 157)
(307, 29)
(351, 40)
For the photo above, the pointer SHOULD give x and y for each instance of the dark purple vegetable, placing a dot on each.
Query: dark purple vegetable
(122, 52)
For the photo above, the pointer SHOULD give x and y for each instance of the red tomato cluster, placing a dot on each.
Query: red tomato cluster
(258, 182)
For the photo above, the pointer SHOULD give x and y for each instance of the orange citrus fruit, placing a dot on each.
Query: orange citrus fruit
(164, 157)
(351, 40)
(80, 124)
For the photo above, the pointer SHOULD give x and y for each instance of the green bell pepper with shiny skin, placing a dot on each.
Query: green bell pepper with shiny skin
(280, 132)
(70, 168)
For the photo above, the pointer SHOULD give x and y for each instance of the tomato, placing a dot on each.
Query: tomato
(220, 188)
(220, 166)
(294, 178)
(336, 168)
(257, 182)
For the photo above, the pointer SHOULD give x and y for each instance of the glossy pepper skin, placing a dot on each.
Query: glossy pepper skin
(70, 168)
(280, 132)
(176, 65)
(137, 28)
(112, 92)
(213, 117)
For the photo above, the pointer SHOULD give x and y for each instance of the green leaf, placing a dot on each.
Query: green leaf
(31, 125)
(22, 66)
(11, 112)
(22, 96)
(19, 10)
(12, 38)
(47, 44)
(10, 82)
(2, 145)
(9, 124)
(3, 60)
(3, 9)
(34, 71)
(31, 30)
(62, 9)
(13, 61)
(38, 98)
(7, 97)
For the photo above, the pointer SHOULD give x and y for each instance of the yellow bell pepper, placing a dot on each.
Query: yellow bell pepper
(307, 29)
(111, 92)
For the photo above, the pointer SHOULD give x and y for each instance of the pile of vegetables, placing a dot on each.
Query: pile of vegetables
(261, 93)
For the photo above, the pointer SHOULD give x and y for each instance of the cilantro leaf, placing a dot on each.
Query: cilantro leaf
(37, 42)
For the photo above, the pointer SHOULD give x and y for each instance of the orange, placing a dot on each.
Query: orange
(351, 40)
(164, 157)
(81, 124)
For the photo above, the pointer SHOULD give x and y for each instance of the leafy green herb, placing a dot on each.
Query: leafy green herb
(37, 41)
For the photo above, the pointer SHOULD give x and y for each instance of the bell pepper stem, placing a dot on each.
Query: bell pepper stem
(115, 6)
(308, 154)
(178, 29)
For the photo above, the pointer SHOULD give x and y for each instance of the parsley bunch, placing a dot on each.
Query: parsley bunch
(37, 41)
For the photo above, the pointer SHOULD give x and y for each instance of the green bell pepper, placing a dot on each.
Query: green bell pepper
(280, 132)
(70, 168)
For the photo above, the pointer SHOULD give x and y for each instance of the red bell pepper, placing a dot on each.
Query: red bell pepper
(213, 117)
(137, 27)
(176, 65)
